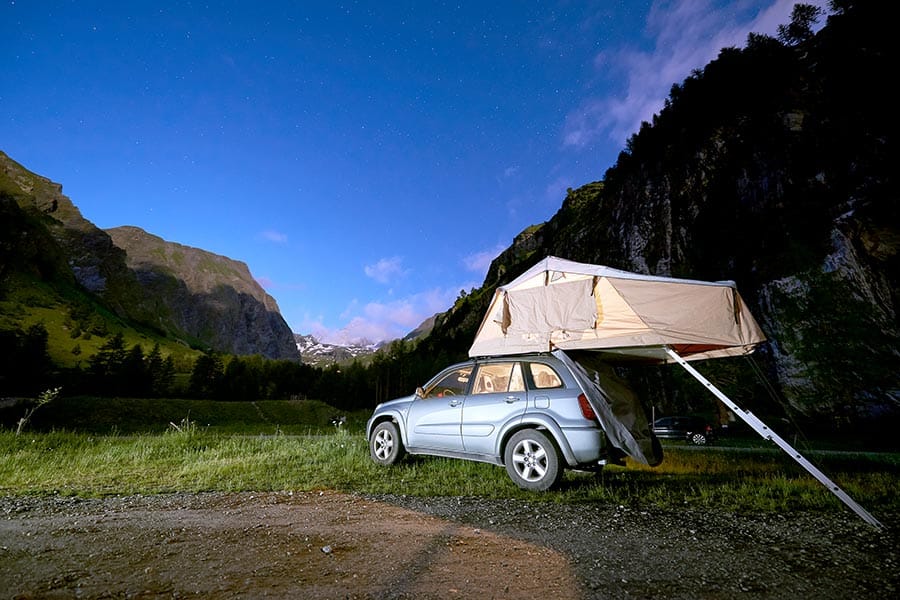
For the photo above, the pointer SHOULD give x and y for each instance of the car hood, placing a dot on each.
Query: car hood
(395, 404)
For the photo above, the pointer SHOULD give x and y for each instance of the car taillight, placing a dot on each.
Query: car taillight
(587, 410)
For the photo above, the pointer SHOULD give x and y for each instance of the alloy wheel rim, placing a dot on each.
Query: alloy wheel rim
(383, 444)
(530, 460)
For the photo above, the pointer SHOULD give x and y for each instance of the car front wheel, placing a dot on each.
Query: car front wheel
(385, 445)
(532, 461)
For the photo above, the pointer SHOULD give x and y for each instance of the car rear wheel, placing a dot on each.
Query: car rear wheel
(698, 439)
(385, 445)
(532, 461)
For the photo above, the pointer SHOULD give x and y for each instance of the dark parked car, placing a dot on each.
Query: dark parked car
(694, 430)
(526, 412)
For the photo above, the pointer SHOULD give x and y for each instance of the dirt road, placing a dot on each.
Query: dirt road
(328, 545)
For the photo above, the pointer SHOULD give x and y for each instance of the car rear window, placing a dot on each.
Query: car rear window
(544, 376)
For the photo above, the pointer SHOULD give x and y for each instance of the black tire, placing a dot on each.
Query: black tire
(532, 461)
(658, 455)
(385, 445)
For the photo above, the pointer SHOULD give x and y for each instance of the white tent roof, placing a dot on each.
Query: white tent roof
(561, 304)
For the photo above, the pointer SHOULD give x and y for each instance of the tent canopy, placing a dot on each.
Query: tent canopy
(561, 304)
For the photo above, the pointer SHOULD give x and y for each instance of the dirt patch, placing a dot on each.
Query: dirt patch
(279, 545)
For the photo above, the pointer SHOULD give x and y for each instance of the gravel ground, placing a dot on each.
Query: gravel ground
(621, 553)
(329, 545)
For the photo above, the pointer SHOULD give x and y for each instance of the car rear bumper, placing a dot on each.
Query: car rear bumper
(587, 444)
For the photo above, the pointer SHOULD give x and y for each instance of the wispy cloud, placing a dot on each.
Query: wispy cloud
(688, 34)
(381, 321)
(386, 270)
(480, 262)
(274, 236)
(555, 191)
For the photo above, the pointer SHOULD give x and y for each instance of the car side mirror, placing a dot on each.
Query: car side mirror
(420, 392)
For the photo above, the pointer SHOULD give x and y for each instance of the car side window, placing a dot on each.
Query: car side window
(499, 377)
(453, 383)
(544, 376)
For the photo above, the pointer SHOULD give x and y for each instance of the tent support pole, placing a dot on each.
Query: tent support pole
(763, 430)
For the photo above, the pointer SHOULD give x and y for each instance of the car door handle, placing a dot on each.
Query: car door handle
(455, 402)
(511, 399)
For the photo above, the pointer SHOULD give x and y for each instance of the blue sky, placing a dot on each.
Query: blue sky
(367, 160)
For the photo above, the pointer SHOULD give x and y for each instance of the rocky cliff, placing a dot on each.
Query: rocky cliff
(208, 297)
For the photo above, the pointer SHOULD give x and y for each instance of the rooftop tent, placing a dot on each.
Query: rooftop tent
(589, 314)
(561, 304)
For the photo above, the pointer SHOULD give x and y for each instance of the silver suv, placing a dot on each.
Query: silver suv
(525, 412)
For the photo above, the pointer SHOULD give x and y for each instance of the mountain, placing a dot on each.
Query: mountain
(422, 331)
(205, 296)
(775, 167)
(52, 257)
(316, 353)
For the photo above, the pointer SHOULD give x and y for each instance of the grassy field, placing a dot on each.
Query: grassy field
(130, 447)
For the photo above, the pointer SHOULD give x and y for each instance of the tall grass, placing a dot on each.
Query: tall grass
(102, 446)
(191, 458)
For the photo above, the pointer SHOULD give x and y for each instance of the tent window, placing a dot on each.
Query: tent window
(544, 376)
